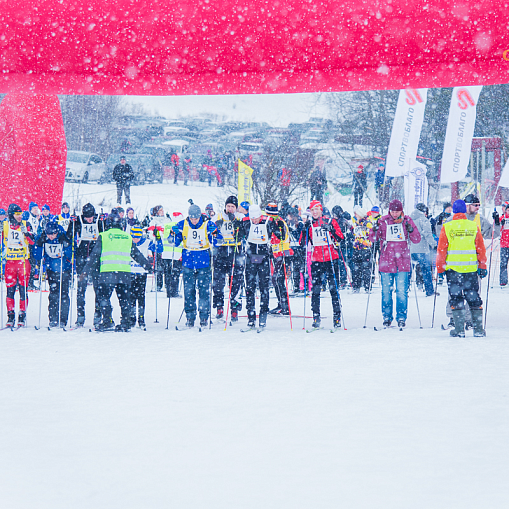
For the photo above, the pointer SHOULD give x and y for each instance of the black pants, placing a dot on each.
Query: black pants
(137, 295)
(122, 290)
(172, 270)
(343, 274)
(223, 261)
(159, 272)
(123, 188)
(463, 286)
(82, 288)
(298, 265)
(318, 269)
(54, 296)
(260, 272)
(504, 259)
(279, 283)
(357, 197)
(361, 262)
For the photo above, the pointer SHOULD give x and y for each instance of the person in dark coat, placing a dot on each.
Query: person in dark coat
(359, 185)
(123, 175)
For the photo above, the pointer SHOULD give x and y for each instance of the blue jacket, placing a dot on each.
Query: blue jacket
(51, 263)
(196, 259)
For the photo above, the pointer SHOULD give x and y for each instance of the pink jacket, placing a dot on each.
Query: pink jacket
(394, 255)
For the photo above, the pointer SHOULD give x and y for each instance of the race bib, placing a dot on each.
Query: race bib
(227, 230)
(15, 239)
(196, 238)
(359, 231)
(89, 232)
(258, 234)
(320, 236)
(53, 250)
(64, 223)
(395, 233)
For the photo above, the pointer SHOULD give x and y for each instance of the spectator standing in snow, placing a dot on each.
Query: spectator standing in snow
(359, 185)
(317, 183)
(123, 175)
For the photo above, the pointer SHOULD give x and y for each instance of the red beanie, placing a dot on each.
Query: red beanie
(315, 203)
(395, 206)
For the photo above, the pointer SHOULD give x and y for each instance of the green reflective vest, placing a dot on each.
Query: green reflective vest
(461, 253)
(116, 251)
(167, 247)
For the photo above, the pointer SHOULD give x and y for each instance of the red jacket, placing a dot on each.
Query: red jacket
(321, 253)
(504, 229)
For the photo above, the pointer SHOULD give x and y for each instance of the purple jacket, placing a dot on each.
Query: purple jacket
(394, 255)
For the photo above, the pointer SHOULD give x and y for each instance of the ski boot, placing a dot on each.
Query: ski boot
(53, 325)
(276, 311)
(204, 322)
(190, 323)
(479, 332)
(401, 324)
(262, 320)
(141, 321)
(336, 322)
(387, 322)
(251, 324)
(235, 315)
(219, 314)
(316, 322)
(22, 318)
(97, 318)
(11, 319)
(132, 321)
(458, 316)
(80, 321)
(105, 325)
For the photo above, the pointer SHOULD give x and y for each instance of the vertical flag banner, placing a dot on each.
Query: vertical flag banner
(245, 182)
(460, 130)
(406, 131)
(416, 186)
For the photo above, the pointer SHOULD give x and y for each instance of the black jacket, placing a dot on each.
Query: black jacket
(123, 174)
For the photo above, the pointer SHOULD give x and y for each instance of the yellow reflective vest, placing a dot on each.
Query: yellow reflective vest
(116, 251)
(461, 252)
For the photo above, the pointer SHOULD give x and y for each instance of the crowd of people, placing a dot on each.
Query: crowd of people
(215, 258)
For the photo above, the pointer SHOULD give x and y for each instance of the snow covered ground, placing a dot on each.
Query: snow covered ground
(282, 419)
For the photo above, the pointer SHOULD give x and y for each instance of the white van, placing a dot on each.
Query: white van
(177, 146)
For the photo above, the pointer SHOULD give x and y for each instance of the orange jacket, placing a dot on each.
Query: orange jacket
(443, 246)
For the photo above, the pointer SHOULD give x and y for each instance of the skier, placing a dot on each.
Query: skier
(84, 232)
(196, 234)
(34, 217)
(54, 246)
(462, 256)
(320, 233)
(157, 222)
(17, 236)
(257, 232)
(343, 219)
(298, 263)
(394, 231)
(64, 218)
(139, 274)
(228, 258)
(171, 257)
(130, 219)
(281, 250)
(46, 217)
(504, 246)
(123, 175)
(112, 253)
(362, 250)
(359, 185)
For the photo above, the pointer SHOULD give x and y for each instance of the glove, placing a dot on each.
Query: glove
(74, 218)
(482, 273)
(231, 216)
(174, 229)
(23, 228)
(409, 227)
(102, 217)
(502, 221)
(496, 218)
(328, 227)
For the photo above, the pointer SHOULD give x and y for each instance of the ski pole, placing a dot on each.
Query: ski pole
(169, 295)
(489, 274)
(434, 301)
(370, 280)
(335, 282)
(415, 292)
(60, 294)
(155, 277)
(72, 274)
(210, 290)
(230, 291)
(40, 290)
(305, 279)
(287, 294)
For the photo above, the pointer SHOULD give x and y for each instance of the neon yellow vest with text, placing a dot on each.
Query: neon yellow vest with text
(169, 248)
(461, 253)
(13, 253)
(116, 251)
(284, 245)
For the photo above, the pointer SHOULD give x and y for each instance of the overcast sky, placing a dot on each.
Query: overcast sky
(276, 109)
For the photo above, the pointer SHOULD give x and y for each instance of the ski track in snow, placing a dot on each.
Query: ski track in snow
(283, 419)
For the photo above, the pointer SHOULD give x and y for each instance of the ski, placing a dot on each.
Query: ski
(249, 329)
(181, 329)
(260, 329)
(384, 328)
(335, 329)
(309, 331)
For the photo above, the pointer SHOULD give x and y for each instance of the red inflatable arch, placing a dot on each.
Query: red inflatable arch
(168, 47)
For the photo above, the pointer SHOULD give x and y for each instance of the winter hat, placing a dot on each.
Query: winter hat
(255, 211)
(113, 220)
(459, 207)
(422, 207)
(2, 212)
(65, 204)
(136, 232)
(245, 205)
(122, 157)
(505, 204)
(88, 210)
(32, 205)
(359, 211)
(315, 203)
(337, 211)
(128, 209)
(360, 168)
(233, 200)
(194, 212)
(395, 206)
(293, 211)
(209, 207)
(271, 209)
(375, 209)
(51, 228)
(117, 210)
(13, 209)
(447, 205)
(177, 216)
(46, 207)
(155, 210)
(471, 198)
(25, 216)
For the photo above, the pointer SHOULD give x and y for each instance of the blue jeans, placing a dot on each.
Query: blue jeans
(402, 280)
(193, 278)
(423, 260)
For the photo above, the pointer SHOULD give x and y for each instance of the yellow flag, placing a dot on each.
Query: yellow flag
(245, 182)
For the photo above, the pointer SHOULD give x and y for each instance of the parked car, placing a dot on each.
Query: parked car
(84, 167)
(160, 157)
(142, 165)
